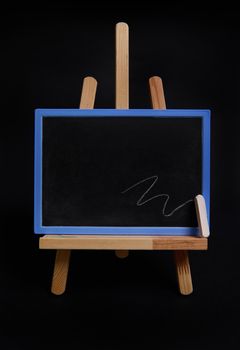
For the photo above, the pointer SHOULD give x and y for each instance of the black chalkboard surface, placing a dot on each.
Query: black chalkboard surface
(141, 169)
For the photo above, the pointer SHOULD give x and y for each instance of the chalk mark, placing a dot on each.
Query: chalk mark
(141, 200)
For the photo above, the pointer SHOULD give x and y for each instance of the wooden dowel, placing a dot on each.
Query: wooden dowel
(88, 94)
(157, 93)
(122, 75)
(122, 80)
(62, 259)
(121, 254)
(181, 256)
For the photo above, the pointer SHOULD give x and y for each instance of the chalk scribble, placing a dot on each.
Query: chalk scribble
(142, 200)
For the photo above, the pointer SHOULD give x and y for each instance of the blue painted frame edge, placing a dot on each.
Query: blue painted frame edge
(206, 137)
(92, 230)
(38, 172)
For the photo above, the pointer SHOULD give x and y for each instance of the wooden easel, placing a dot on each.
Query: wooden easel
(122, 244)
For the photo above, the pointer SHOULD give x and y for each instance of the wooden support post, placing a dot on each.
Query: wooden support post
(88, 94)
(181, 257)
(122, 81)
(157, 93)
(122, 66)
(62, 259)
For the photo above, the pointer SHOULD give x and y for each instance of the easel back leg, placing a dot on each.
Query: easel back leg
(122, 253)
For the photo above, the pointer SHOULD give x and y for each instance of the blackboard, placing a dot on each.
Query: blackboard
(120, 172)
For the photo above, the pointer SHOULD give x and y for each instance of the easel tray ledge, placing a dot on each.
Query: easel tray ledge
(121, 243)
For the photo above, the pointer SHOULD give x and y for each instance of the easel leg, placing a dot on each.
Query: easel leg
(181, 256)
(183, 272)
(60, 271)
(63, 256)
(122, 253)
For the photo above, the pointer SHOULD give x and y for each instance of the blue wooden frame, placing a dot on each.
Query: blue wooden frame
(93, 230)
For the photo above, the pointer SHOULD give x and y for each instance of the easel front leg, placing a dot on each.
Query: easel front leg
(60, 273)
(183, 272)
(181, 256)
(63, 256)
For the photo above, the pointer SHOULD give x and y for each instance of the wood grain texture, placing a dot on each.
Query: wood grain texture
(60, 272)
(62, 259)
(122, 66)
(88, 94)
(202, 219)
(122, 79)
(157, 93)
(181, 256)
(123, 242)
(183, 272)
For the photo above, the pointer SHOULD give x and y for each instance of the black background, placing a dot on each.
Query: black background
(112, 303)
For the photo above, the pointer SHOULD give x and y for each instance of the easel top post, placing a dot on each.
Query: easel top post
(122, 66)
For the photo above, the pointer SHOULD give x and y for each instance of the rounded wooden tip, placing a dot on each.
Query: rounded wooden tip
(89, 78)
(57, 292)
(122, 25)
(155, 77)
